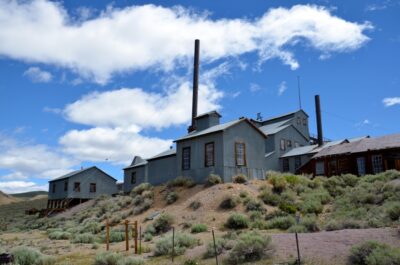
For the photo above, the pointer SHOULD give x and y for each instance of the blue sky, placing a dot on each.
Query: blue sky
(96, 82)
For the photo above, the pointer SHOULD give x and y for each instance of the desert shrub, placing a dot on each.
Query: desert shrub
(30, 256)
(269, 198)
(131, 261)
(171, 197)
(212, 180)
(229, 202)
(194, 205)
(116, 236)
(311, 206)
(221, 245)
(149, 194)
(384, 176)
(182, 242)
(335, 186)
(91, 226)
(276, 213)
(250, 247)
(350, 179)
(393, 211)
(259, 224)
(144, 206)
(115, 218)
(310, 223)
(237, 221)
(255, 215)
(240, 179)
(150, 229)
(297, 229)
(254, 205)
(374, 253)
(163, 223)
(198, 228)
(85, 238)
(137, 200)
(123, 201)
(181, 182)
(281, 222)
(243, 194)
(138, 190)
(190, 262)
(59, 235)
(278, 183)
(107, 258)
(343, 224)
(321, 195)
(147, 237)
(288, 207)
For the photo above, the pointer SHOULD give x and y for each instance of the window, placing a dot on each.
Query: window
(285, 165)
(209, 155)
(77, 186)
(297, 162)
(288, 143)
(53, 188)
(361, 166)
(304, 121)
(296, 144)
(186, 158)
(92, 187)
(283, 145)
(332, 167)
(66, 185)
(298, 121)
(240, 154)
(377, 163)
(133, 178)
(320, 168)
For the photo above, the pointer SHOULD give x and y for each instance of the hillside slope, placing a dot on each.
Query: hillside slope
(6, 199)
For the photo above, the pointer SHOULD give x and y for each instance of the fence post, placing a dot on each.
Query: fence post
(297, 240)
(136, 237)
(140, 240)
(107, 235)
(126, 235)
(215, 247)
(173, 243)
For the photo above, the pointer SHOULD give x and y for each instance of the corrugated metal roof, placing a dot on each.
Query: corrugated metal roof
(143, 163)
(274, 127)
(76, 172)
(363, 145)
(168, 152)
(302, 150)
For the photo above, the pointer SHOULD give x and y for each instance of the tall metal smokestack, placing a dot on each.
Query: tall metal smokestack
(319, 120)
(195, 84)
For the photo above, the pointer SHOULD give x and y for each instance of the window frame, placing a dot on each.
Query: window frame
(361, 166)
(282, 145)
(319, 168)
(375, 167)
(297, 162)
(91, 190)
(53, 187)
(285, 165)
(77, 187)
(237, 144)
(304, 121)
(186, 150)
(133, 177)
(207, 154)
(288, 144)
(66, 185)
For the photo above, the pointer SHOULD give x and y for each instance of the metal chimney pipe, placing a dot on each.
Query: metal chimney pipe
(195, 83)
(319, 120)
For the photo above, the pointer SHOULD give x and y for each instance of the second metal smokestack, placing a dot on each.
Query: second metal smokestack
(195, 84)
(319, 121)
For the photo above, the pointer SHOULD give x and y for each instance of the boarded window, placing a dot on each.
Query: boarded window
(53, 188)
(361, 166)
(133, 178)
(297, 162)
(77, 187)
(240, 154)
(283, 147)
(288, 143)
(377, 164)
(66, 185)
(186, 158)
(209, 155)
(285, 165)
(320, 168)
(92, 187)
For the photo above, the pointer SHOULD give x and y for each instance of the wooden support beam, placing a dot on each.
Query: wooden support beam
(107, 235)
(126, 235)
(136, 237)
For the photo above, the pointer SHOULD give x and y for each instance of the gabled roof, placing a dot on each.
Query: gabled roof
(286, 115)
(275, 127)
(140, 164)
(363, 145)
(76, 172)
(218, 128)
(169, 152)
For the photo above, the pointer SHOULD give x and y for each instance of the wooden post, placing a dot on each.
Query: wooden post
(136, 237)
(215, 247)
(140, 240)
(298, 250)
(126, 235)
(107, 235)
(173, 244)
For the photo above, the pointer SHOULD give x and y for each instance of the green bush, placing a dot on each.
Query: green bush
(171, 197)
(144, 206)
(181, 182)
(182, 242)
(116, 236)
(107, 258)
(393, 211)
(297, 229)
(85, 238)
(278, 183)
(253, 205)
(343, 224)
(195, 205)
(240, 179)
(276, 213)
(250, 247)
(221, 245)
(212, 180)
(190, 262)
(269, 198)
(59, 235)
(259, 224)
(281, 222)
(311, 206)
(374, 253)
(229, 202)
(198, 228)
(310, 222)
(138, 190)
(163, 223)
(255, 215)
(237, 221)
(243, 194)
(131, 261)
(30, 256)
(288, 207)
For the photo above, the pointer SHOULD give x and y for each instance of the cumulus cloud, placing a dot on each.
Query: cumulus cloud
(37, 75)
(27, 160)
(388, 102)
(282, 88)
(20, 186)
(149, 36)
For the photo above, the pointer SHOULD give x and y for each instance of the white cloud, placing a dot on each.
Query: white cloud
(254, 87)
(388, 102)
(29, 160)
(149, 36)
(20, 186)
(52, 110)
(37, 75)
(282, 88)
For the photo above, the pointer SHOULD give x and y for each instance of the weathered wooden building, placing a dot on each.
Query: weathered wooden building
(364, 156)
(79, 186)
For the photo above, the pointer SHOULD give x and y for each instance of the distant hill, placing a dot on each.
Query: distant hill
(6, 199)
(29, 195)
